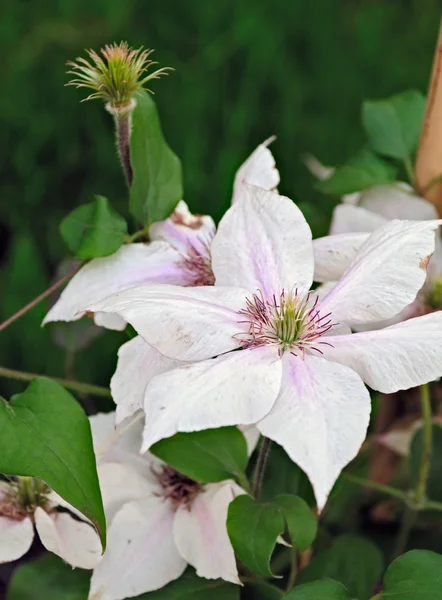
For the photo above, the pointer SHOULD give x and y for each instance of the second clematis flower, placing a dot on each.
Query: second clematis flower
(263, 349)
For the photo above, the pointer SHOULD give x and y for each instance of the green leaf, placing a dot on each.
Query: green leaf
(49, 578)
(416, 575)
(301, 523)
(359, 173)
(352, 560)
(191, 587)
(263, 591)
(393, 125)
(283, 475)
(157, 180)
(209, 455)
(45, 433)
(434, 485)
(253, 529)
(94, 230)
(326, 589)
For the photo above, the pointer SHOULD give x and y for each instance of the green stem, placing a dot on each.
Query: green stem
(243, 482)
(421, 488)
(260, 466)
(76, 386)
(39, 298)
(380, 487)
(123, 127)
(377, 597)
(432, 505)
(138, 234)
(408, 520)
(293, 569)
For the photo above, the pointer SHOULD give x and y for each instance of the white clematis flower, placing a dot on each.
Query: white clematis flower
(300, 384)
(179, 253)
(26, 503)
(159, 520)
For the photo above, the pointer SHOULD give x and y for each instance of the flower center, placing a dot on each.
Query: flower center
(23, 496)
(198, 265)
(291, 322)
(178, 488)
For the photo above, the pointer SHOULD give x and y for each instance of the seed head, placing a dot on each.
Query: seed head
(116, 76)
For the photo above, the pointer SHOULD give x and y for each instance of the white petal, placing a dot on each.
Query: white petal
(320, 418)
(15, 538)
(121, 483)
(259, 169)
(137, 364)
(74, 541)
(353, 219)
(395, 358)
(183, 323)
(263, 243)
(252, 435)
(317, 168)
(109, 321)
(141, 554)
(201, 537)
(102, 425)
(334, 254)
(238, 388)
(388, 271)
(394, 202)
(183, 230)
(131, 265)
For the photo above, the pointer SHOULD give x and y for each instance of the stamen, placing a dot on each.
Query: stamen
(178, 488)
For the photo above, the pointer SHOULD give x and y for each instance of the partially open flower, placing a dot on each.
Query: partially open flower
(117, 77)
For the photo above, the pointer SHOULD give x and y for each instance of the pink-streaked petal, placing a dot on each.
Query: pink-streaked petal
(183, 230)
(131, 265)
(182, 323)
(200, 533)
(15, 538)
(386, 274)
(397, 201)
(348, 218)
(259, 169)
(395, 358)
(238, 388)
(334, 254)
(121, 483)
(137, 364)
(320, 418)
(74, 541)
(141, 554)
(263, 243)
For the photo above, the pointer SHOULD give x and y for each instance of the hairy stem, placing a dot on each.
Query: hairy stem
(76, 386)
(260, 466)
(421, 488)
(39, 298)
(123, 127)
(293, 569)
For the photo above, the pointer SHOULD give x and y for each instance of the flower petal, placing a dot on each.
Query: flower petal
(15, 538)
(183, 323)
(74, 541)
(397, 202)
(395, 358)
(137, 364)
(131, 265)
(388, 271)
(200, 533)
(121, 483)
(320, 418)
(238, 388)
(252, 435)
(353, 219)
(183, 230)
(263, 243)
(141, 554)
(259, 169)
(334, 254)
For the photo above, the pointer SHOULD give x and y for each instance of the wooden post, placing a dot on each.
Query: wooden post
(429, 154)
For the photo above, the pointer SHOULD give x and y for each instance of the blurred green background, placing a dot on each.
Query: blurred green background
(245, 69)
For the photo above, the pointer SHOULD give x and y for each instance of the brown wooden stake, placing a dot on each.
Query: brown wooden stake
(429, 156)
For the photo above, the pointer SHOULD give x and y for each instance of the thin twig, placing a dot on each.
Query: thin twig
(260, 466)
(380, 487)
(39, 298)
(76, 386)
(421, 487)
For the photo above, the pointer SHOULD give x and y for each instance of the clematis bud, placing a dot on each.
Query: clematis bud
(116, 77)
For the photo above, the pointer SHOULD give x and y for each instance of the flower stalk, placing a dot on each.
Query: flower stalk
(261, 462)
